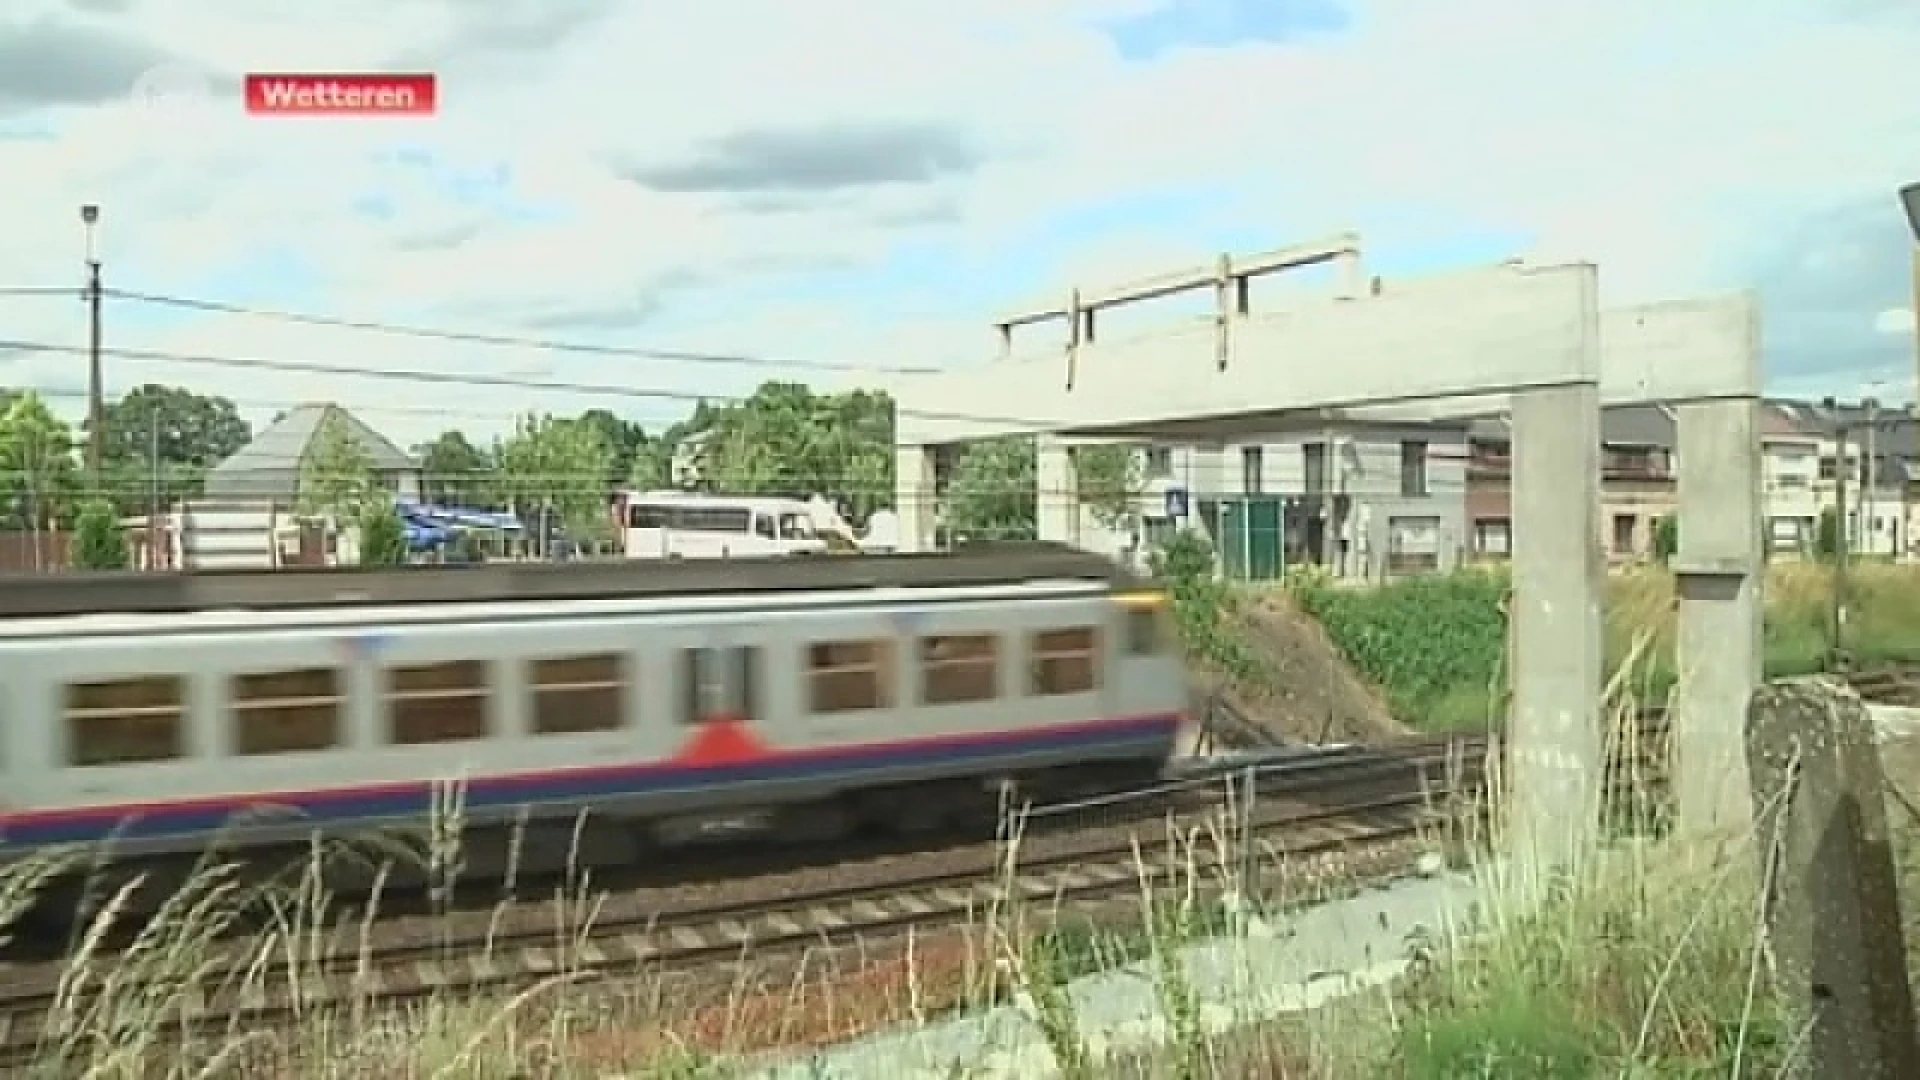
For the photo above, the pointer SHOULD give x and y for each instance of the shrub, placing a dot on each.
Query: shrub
(1666, 538)
(1420, 640)
(1202, 604)
(98, 543)
(1826, 535)
(383, 539)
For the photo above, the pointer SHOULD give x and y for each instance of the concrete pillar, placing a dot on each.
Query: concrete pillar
(1555, 745)
(913, 498)
(1058, 510)
(1719, 572)
(1350, 276)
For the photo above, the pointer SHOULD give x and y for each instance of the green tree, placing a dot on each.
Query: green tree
(785, 440)
(1826, 535)
(1110, 479)
(992, 492)
(625, 440)
(383, 537)
(159, 441)
(558, 464)
(39, 477)
(98, 542)
(337, 476)
(991, 495)
(456, 471)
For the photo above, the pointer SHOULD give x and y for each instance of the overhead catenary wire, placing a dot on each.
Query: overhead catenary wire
(601, 491)
(466, 337)
(444, 378)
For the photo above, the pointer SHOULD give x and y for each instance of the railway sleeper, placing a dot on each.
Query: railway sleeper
(399, 859)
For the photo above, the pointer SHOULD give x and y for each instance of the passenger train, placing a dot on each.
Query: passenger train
(582, 728)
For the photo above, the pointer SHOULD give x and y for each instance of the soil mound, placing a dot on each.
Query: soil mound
(1305, 691)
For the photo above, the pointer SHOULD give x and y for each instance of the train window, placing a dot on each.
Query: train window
(847, 676)
(1145, 635)
(125, 721)
(279, 712)
(578, 693)
(721, 684)
(1065, 661)
(438, 702)
(956, 668)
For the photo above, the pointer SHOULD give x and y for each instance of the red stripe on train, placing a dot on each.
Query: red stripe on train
(722, 740)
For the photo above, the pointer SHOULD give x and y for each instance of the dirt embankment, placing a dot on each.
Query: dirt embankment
(1301, 689)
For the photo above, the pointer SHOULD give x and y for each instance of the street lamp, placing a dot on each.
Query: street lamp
(96, 405)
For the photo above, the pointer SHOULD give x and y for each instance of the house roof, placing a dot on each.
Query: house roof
(269, 466)
(1620, 425)
(1780, 418)
(1816, 418)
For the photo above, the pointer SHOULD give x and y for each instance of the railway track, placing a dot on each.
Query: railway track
(1897, 684)
(1314, 804)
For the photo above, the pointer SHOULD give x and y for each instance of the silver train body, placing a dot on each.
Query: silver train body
(588, 729)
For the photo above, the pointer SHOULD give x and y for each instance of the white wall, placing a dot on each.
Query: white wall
(1364, 462)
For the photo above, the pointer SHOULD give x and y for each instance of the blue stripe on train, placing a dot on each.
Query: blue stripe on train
(1149, 734)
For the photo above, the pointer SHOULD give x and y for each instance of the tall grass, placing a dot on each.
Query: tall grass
(1436, 645)
(1647, 962)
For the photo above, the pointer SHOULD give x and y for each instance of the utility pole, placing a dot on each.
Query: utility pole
(153, 488)
(1905, 539)
(1869, 496)
(1837, 610)
(96, 405)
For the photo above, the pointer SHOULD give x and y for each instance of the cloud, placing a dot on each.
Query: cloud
(818, 160)
(45, 61)
(849, 182)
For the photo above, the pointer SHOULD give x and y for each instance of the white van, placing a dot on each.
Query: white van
(682, 525)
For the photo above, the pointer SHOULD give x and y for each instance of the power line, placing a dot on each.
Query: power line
(442, 378)
(573, 485)
(501, 340)
(283, 404)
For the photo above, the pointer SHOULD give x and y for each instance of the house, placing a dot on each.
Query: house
(268, 468)
(1799, 470)
(1790, 476)
(1362, 500)
(687, 468)
(246, 518)
(1636, 481)
(1880, 463)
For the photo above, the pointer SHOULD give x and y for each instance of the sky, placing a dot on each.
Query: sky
(822, 189)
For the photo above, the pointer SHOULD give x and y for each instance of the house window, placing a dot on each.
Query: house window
(1159, 461)
(1313, 462)
(1252, 466)
(1625, 526)
(1413, 469)
(1491, 536)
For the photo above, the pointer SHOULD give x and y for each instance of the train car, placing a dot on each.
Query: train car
(579, 730)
